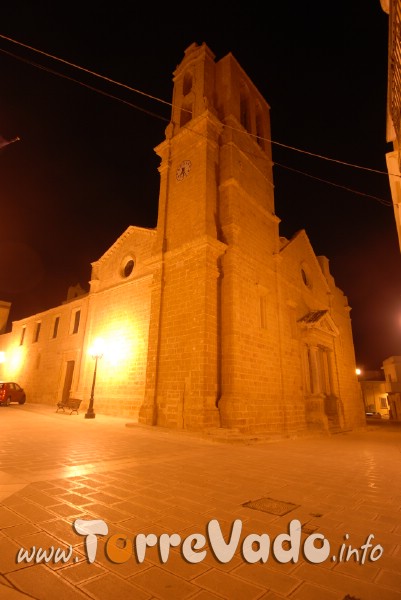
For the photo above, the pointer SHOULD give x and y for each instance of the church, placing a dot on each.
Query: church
(211, 319)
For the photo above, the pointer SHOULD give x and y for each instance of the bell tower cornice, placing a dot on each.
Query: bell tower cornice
(192, 54)
(194, 86)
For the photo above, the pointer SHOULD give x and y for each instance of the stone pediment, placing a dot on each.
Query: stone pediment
(319, 320)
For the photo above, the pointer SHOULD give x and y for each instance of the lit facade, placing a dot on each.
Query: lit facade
(392, 373)
(393, 129)
(392, 365)
(212, 319)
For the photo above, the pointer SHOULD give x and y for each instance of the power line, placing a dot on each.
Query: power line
(299, 172)
(90, 87)
(112, 96)
(135, 90)
(340, 162)
(343, 187)
(70, 64)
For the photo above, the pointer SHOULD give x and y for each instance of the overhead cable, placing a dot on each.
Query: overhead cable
(112, 96)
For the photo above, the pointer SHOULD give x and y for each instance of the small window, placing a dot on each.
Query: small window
(293, 322)
(21, 341)
(244, 108)
(77, 318)
(259, 128)
(127, 267)
(37, 332)
(305, 274)
(187, 84)
(263, 312)
(55, 327)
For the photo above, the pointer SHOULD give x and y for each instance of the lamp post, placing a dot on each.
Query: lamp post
(2, 360)
(96, 352)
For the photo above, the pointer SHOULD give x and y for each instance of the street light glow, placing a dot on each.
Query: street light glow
(97, 348)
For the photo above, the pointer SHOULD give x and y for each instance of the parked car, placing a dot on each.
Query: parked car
(373, 415)
(11, 392)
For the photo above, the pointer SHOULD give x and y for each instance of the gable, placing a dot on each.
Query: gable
(302, 265)
(319, 320)
(126, 259)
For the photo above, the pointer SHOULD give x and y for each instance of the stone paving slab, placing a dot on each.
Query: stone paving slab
(57, 468)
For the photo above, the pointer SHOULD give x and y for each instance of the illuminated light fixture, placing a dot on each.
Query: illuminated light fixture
(15, 360)
(358, 371)
(2, 357)
(96, 352)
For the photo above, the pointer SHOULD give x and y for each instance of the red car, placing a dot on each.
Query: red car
(11, 392)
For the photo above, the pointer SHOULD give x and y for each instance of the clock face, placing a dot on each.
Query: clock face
(183, 170)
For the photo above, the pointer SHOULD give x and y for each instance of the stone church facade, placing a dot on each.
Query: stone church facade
(212, 319)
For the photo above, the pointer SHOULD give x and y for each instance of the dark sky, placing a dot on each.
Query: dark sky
(85, 168)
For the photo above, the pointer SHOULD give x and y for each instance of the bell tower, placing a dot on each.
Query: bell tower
(190, 154)
(183, 356)
(194, 83)
(216, 236)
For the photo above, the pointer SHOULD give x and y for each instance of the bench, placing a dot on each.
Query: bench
(71, 404)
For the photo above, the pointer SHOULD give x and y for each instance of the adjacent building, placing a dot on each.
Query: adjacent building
(392, 365)
(392, 372)
(393, 129)
(374, 392)
(212, 319)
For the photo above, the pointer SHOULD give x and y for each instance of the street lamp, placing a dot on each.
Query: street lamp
(96, 352)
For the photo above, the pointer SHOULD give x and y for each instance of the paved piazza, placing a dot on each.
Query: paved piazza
(314, 518)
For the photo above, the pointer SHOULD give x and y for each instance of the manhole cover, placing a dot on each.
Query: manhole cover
(269, 505)
(308, 529)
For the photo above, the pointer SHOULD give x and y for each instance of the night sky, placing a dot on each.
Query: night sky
(85, 168)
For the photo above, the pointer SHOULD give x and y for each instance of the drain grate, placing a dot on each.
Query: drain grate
(269, 505)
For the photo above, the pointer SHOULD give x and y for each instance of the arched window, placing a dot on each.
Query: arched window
(259, 127)
(187, 84)
(244, 108)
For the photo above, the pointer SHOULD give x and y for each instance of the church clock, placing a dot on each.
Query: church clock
(183, 170)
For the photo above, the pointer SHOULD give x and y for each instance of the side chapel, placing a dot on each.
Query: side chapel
(210, 320)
